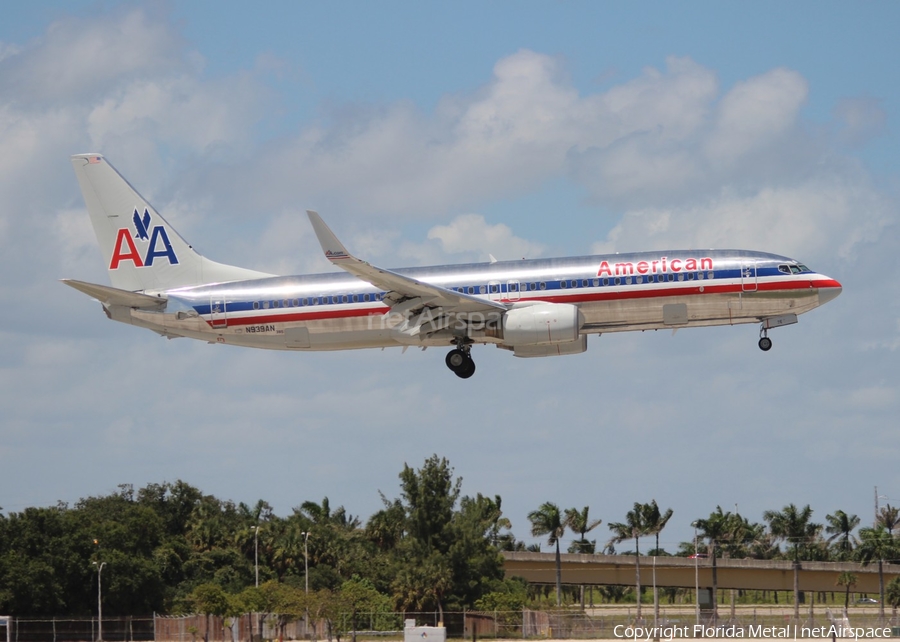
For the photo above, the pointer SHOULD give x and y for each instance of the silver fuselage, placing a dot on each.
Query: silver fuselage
(614, 293)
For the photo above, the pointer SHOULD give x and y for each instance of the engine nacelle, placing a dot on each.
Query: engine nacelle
(541, 324)
(556, 350)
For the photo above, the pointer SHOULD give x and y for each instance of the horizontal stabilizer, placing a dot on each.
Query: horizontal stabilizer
(115, 296)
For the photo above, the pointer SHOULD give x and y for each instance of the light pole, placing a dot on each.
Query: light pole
(99, 601)
(306, 576)
(256, 551)
(696, 577)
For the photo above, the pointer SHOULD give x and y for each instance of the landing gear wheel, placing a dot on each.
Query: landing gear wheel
(765, 344)
(456, 359)
(459, 360)
(467, 370)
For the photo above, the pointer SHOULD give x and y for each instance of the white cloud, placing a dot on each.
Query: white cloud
(755, 113)
(78, 57)
(859, 120)
(179, 111)
(812, 219)
(526, 126)
(471, 233)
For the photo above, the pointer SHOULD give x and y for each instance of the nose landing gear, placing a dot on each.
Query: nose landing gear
(459, 360)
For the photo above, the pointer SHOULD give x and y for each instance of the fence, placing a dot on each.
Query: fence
(115, 629)
(592, 623)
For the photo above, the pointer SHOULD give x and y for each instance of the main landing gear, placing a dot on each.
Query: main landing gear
(459, 360)
(765, 343)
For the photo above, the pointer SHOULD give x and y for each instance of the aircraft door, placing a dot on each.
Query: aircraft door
(494, 291)
(217, 313)
(748, 276)
(512, 290)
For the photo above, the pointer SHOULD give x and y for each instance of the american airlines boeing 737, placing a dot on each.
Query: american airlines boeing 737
(533, 308)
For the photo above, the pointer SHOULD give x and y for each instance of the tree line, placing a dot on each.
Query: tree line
(169, 548)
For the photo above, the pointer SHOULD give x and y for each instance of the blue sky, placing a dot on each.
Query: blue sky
(433, 133)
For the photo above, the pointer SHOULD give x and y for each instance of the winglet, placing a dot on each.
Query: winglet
(333, 248)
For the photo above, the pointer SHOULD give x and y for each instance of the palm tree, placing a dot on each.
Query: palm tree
(546, 520)
(633, 527)
(877, 544)
(889, 517)
(794, 526)
(714, 529)
(893, 594)
(655, 522)
(847, 579)
(840, 527)
(579, 522)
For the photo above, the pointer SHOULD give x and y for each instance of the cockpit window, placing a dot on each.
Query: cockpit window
(794, 268)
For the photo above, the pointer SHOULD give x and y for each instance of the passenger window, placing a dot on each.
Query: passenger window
(543, 285)
(681, 276)
(710, 275)
(482, 289)
(562, 284)
(605, 281)
(265, 305)
(596, 283)
(256, 305)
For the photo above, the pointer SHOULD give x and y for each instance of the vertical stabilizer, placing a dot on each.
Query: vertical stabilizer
(142, 251)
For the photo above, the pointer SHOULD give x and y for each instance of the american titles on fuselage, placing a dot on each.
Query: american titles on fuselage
(661, 266)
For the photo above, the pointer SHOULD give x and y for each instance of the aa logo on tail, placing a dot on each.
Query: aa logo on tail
(155, 239)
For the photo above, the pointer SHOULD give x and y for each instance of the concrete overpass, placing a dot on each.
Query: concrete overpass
(768, 575)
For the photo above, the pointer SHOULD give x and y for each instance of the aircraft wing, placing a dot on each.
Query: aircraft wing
(399, 287)
(115, 296)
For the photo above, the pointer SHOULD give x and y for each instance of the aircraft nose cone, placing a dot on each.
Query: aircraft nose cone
(829, 291)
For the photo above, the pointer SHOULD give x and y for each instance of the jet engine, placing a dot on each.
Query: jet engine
(537, 325)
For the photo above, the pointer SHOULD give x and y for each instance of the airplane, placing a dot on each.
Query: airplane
(533, 308)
